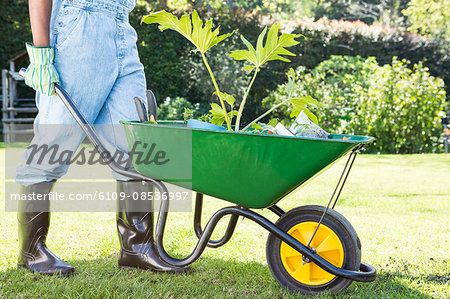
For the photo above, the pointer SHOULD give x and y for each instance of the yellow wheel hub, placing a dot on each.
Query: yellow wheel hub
(327, 245)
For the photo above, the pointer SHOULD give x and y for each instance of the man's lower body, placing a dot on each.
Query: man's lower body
(98, 65)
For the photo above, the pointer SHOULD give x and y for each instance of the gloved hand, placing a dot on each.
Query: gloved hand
(41, 73)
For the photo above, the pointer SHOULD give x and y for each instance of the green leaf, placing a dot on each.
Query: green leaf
(218, 115)
(249, 68)
(192, 28)
(227, 98)
(216, 110)
(300, 105)
(232, 114)
(311, 116)
(257, 126)
(296, 111)
(273, 122)
(248, 55)
(218, 120)
(273, 49)
(303, 101)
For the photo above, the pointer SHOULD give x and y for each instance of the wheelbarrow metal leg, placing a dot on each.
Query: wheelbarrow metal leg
(277, 210)
(198, 224)
(339, 186)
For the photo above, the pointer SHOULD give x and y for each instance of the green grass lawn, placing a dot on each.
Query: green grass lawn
(399, 205)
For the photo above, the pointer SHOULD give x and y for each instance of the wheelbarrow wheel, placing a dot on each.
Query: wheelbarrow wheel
(335, 240)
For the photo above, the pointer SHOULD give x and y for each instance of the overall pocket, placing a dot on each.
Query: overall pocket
(67, 21)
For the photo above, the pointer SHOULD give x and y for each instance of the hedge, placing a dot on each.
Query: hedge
(399, 106)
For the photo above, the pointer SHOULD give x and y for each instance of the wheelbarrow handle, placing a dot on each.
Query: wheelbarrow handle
(152, 105)
(140, 107)
(81, 120)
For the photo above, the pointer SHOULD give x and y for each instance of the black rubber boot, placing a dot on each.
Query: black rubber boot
(34, 219)
(135, 228)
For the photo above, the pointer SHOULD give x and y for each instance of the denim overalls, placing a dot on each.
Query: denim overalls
(97, 60)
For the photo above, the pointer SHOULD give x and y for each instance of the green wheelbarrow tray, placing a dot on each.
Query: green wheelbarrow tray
(251, 170)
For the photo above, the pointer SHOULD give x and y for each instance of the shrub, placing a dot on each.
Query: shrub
(326, 38)
(405, 107)
(399, 106)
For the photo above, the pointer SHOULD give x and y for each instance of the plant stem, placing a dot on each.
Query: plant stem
(217, 91)
(244, 99)
(267, 112)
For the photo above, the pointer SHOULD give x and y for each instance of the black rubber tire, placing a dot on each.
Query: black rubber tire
(337, 223)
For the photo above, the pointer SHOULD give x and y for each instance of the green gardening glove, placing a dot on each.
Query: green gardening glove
(41, 73)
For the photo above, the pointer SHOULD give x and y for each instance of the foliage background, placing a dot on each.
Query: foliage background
(400, 107)
(15, 29)
(374, 28)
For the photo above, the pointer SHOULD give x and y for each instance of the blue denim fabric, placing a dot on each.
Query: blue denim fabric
(97, 60)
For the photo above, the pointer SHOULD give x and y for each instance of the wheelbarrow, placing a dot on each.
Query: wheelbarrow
(310, 249)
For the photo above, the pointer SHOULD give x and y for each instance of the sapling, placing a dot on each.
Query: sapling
(200, 35)
(268, 48)
(272, 49)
